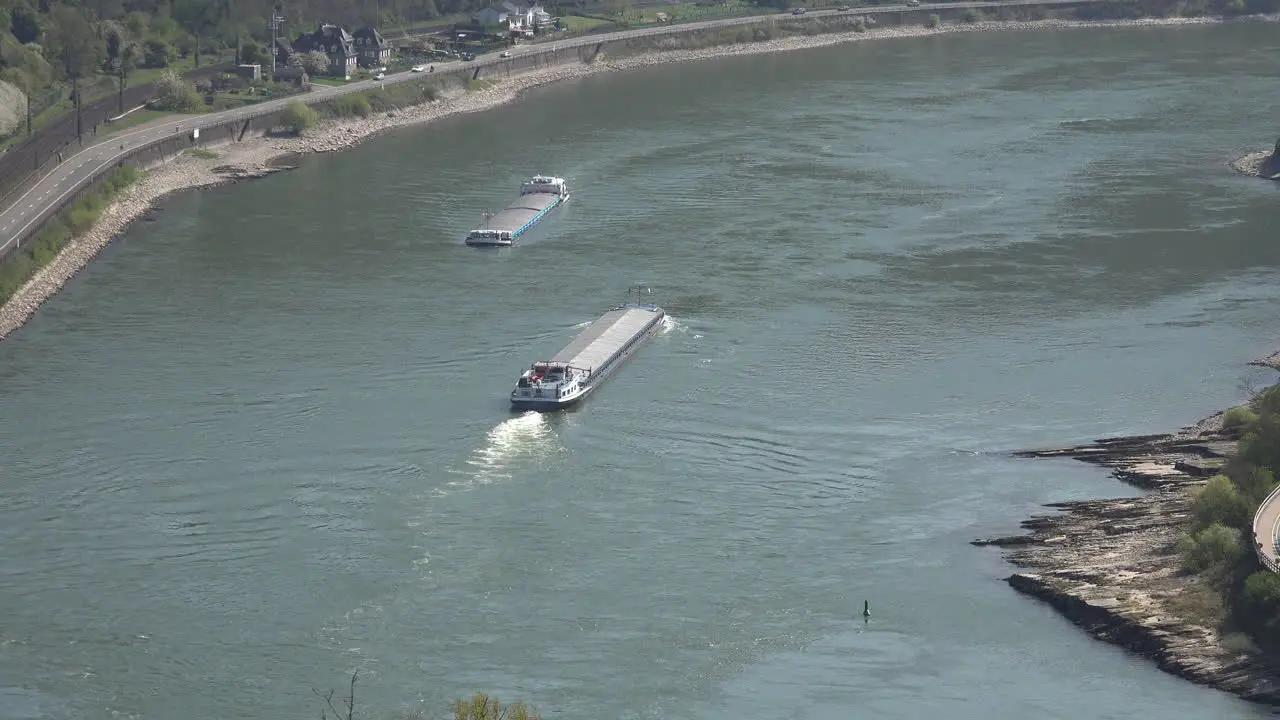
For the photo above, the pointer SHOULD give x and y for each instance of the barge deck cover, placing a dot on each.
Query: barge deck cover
(521, 212)
(606, 336)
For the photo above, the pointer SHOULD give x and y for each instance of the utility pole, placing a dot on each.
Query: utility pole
(275, 24)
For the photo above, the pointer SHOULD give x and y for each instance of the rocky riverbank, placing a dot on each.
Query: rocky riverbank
(253, 157)
(1111, 566)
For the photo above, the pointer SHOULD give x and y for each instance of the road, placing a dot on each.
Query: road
(31, 208)
(1266, 524)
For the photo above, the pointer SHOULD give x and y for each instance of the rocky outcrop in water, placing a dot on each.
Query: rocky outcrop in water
(1111, 566)
(1261, 164)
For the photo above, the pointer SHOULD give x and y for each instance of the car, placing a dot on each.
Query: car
(505, 54)
(380, 76)
(845, 8)
(798, 11)
(418, 68)
(913, 3)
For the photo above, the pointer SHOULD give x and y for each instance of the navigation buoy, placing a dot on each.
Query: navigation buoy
(866, 608)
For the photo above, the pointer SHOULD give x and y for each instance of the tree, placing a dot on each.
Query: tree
(314, 62)
(26, 26)
(77, 48)
(156, 54)
(250, 53)
(198, 17)
(174, 93)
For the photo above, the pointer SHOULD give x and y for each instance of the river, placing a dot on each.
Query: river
(261, 442)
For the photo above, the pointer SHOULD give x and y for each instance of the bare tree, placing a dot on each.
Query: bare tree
(349, 701)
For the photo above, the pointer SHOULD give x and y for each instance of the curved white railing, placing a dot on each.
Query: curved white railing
(1266, 534)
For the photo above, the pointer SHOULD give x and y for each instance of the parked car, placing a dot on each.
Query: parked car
(798, 11)
(418, 68)
(380, 76)
(913, 3)
(505, 54)
(845, 8)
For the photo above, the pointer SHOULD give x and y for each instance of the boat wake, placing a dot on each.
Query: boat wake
(510, 443)
(670, 324)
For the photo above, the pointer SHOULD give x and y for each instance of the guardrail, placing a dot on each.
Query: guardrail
(552, 48)
(1271, 534)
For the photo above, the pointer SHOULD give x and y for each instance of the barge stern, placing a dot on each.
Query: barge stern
(586, 362)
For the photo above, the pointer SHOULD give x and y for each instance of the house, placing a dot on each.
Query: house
(497, 14)
(372, 49)
(293, 76)
(334, 42)
(284, 52)
(537, 17)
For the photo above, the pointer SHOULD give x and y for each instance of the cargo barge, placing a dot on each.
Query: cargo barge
(594, 355)
(539, 195)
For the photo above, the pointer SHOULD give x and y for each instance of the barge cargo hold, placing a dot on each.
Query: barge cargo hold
(584, 364)
(539, 195)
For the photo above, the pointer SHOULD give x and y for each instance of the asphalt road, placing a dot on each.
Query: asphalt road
(28, 210)
(1266, 531)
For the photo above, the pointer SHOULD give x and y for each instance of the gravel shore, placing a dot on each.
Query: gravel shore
(251, 158)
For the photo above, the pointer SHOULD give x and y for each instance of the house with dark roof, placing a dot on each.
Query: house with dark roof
(335, 43)
(500, 13)
(372, 49)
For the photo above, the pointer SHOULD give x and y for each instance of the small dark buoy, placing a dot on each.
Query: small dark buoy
(866, 608)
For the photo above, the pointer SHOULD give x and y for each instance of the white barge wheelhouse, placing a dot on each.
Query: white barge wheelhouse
(588, 360)
(539, 195)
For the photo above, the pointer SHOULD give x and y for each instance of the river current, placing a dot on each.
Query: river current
(261, 442)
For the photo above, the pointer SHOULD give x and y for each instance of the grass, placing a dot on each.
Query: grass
(23, 264)
(140, 117)
(577, 23)
(382, 99)
(332, 82)
(204, 154)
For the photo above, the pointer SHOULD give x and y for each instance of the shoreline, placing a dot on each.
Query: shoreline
(253, 157)
(1112, 566)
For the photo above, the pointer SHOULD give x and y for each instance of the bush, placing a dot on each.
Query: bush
(174, 93)
(1214, 551)
(933, 22)
(1262, 592)
(1219, 502)
(354, 105)
(298, 118)
(972, 15)
(483, 707)
(1238, 418)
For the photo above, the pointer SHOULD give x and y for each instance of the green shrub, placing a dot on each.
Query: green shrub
(933, 22)
(1262, 592)
(1219, 502)
(353, 105)
(1213, 551)
(1238, 418)
(483, 707)
(298, 118)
